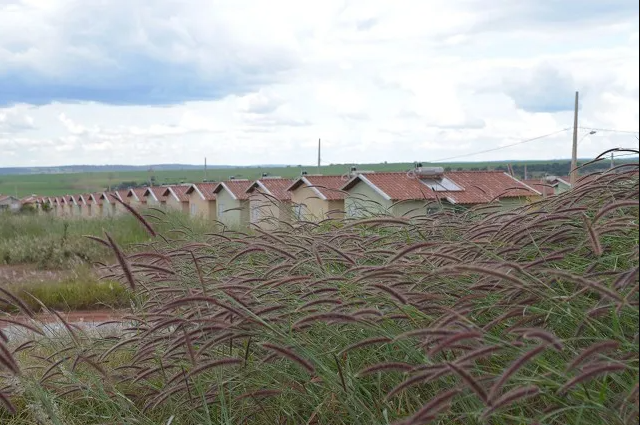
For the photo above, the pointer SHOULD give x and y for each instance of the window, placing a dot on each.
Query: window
(297, 211)
(221, 209)
(441, 185)
(193, 209)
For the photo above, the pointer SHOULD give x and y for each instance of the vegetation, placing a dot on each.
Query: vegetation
(483, 317)
(63, 184)
(80, 290)
(54, 243)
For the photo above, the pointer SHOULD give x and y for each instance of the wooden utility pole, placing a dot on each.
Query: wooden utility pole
(319, 156)
(205, 168)
(574, 150)
(526, 175)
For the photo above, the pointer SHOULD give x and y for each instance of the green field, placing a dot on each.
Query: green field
(61, 184)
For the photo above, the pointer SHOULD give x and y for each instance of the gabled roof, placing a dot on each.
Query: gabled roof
(328, 188)
(541, 186)
(178, 192)
(236, 188)
(28, 199)
(96, 198)
(85, 198)
(71, 199)
(9, 197)
(476, 187)
(156, 192)
(137, 193)
(204, 190)
(273, 187)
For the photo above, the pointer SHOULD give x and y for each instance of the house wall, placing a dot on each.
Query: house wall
(133, 202)
(265, 213)
(561, 188)
(308, 205)
(411, 209)
(10, 205)
(236, 219)
(363, 201)
(152, 203)
(173, 204)
(509, 203)
(202, 208)
(87, 210)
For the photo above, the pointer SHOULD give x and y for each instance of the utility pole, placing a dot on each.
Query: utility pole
(574, 150)
(205, 168)
(612, 164)
(319, 147)
(526, 175)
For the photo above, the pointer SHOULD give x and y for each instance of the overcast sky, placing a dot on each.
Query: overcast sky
(256, 82)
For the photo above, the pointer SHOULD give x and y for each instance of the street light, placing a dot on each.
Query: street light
(591, 133)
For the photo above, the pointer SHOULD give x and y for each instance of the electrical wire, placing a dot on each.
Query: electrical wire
(502, 147)
(611, 130)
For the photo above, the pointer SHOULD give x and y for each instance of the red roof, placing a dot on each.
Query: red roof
(138, 192)
(274, 187)
(237, 188)
(156, 191)
(541, 186)
(475, 187)
(328, 187)
(205, 189)
(178, 192)
(97, 198)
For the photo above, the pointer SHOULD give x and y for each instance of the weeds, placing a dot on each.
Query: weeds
(480, 317)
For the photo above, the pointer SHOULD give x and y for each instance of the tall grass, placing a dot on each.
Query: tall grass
(53, 243)
(521, 317)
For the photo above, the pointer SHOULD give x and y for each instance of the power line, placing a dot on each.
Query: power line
(611, 130)
(501, 147)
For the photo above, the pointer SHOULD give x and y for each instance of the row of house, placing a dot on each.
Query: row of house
(268, 201)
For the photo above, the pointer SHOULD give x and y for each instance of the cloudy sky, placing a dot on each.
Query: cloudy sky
(256, 82)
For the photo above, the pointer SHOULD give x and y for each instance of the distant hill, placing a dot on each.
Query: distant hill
(66, 169)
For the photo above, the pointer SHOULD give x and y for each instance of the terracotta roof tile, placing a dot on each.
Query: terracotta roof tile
(178, 191)
(478, 187)
(238, 188)
(274, 187)
(329, 186)
(206, 189)
(157, 191)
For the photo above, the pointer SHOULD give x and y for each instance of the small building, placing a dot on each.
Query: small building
(87, 205)
(269, 203)
(232, 203)
(136, 197)
(107, 204)
(177, 199)
(541, 186)
(9, 203)
(154, 198)
(31, 202)
(419, 192)
(560, 184)
(316, 198)
(202, 200)
(119, 195)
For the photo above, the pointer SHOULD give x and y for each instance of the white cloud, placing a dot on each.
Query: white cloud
(177, 81)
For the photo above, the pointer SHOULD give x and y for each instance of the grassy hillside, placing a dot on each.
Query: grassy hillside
(521, 317)
(61, 184)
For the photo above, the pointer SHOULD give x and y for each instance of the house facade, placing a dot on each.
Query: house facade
(9, 203)
(316, 198)
(423, 191)
(202, 201)
(136, 197)
(154, 198)
(177, 199)
(269, 203)
(232, 203)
